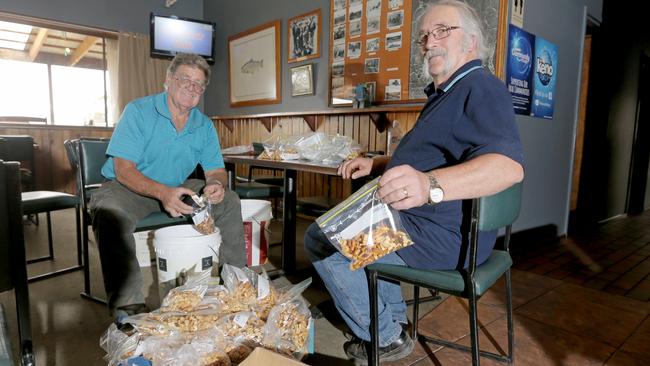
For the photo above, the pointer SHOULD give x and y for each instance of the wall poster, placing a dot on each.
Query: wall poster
(531, 73)
(374, 43)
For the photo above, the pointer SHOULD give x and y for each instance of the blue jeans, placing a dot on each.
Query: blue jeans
(349, 289)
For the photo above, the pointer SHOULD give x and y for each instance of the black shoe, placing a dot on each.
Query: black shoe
(400, 348)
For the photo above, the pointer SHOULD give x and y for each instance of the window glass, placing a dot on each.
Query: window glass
(78, 96)
(24, 90)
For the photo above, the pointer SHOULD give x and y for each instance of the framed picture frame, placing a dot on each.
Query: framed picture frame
(304, 36)
(254, 66)
(302, 80)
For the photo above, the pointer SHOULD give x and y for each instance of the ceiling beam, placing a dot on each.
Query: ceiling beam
(83, 48)
(38, 43)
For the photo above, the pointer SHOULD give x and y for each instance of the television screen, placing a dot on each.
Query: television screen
(171, 35)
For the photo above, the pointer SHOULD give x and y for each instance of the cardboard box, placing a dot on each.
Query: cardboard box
(264, 357)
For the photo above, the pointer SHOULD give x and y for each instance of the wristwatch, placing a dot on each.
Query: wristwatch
(436, 194)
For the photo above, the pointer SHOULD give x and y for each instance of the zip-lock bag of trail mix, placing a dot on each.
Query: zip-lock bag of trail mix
(201, 213)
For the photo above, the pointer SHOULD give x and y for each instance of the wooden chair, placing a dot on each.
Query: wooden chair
(13, 273)
(487, 213)
(88, 155)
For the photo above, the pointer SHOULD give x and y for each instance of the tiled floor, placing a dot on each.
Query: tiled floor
(577, 302)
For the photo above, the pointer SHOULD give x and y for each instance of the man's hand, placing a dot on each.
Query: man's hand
(171, 201)
(404, 187)
(214, 191)
(355, 168)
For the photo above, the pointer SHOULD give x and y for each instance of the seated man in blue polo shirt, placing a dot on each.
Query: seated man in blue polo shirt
(156, 145)
(465, 144)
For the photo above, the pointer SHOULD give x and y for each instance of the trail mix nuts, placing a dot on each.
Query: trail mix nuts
(293, 325)
(179, 300)
(364, 249)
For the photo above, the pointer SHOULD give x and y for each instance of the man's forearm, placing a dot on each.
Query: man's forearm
(484, 175)
(133, 179)
(216, 176)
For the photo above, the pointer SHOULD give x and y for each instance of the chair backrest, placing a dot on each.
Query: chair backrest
(19, 148)
(499, 210)
(13, 272)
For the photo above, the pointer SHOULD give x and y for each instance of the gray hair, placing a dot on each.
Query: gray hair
(470, 23)
(192, 60)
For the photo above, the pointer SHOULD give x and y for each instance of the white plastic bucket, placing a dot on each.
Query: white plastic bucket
(256, 215)
(181, 250)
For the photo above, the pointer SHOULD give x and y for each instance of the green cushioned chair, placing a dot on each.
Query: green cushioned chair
(487, 213)
(35, 202)
(88, 155)
(13, 273)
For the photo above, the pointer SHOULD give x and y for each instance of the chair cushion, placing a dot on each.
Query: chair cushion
(254, 190)
(451, 281)
(160, 219)
(44, 201)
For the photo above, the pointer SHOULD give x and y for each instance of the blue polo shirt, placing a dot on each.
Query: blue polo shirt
(147, 136)
(462, 119)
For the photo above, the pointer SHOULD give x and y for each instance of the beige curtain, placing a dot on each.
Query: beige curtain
(132, 72)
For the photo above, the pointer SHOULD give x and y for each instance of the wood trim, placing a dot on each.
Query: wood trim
(332, 112)
(82, 49)
(502, 34)
(38, 43)
(58, 25)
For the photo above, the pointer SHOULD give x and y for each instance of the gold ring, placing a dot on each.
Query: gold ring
(406, 193)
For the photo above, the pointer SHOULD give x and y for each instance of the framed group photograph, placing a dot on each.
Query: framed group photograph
(302, 80)
(254, 66)
(304, 36)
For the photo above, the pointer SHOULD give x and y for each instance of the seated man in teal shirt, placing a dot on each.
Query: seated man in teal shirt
(156, 145)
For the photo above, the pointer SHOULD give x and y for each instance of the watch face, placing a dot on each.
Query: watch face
(436, 195)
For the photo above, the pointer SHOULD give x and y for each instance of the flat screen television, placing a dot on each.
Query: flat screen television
(170, 35)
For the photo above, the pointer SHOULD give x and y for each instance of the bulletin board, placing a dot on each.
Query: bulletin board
(371, 43)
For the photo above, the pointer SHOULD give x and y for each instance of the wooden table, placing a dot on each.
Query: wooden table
(290, 169)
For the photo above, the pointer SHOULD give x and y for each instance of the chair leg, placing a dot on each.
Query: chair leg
(416, 305)
(473, 328)
(86, 293)
(511, 330)
(50, 246)
(78, 223)
(373, 351)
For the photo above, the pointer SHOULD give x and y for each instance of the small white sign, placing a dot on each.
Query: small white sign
(517, 13)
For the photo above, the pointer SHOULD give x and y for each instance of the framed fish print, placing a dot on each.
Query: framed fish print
(254, 66)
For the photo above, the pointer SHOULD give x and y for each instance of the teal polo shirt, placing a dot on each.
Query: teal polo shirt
(147, 136)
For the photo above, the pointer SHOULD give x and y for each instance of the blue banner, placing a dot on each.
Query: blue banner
(545, 79)
(519, 69)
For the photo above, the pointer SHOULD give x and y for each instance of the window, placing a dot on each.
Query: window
(52, 73)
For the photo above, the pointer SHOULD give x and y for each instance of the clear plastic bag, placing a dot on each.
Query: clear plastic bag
(287, 328)
(187, 297)
(202, 215)
(239, 283)
(363, 228)
(244, 327)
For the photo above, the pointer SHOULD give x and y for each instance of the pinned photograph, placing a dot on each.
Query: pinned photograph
(302, 80)
(339, 17)
(393, 41)
(372, 25)
(339, 33)
(371, 86)
(373, 8)
(371, 66)
(339, 4)
(394, 4)
(338, 82)
(338, 69)
(355, 2)
(372, 45)
(354, 49)
(393, 90)
(338, 52)
(355, 28)
(356, 13)
(395, 19)
(304, 36)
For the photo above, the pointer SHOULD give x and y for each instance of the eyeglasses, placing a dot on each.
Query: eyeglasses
(437, 33)
(190, 84)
